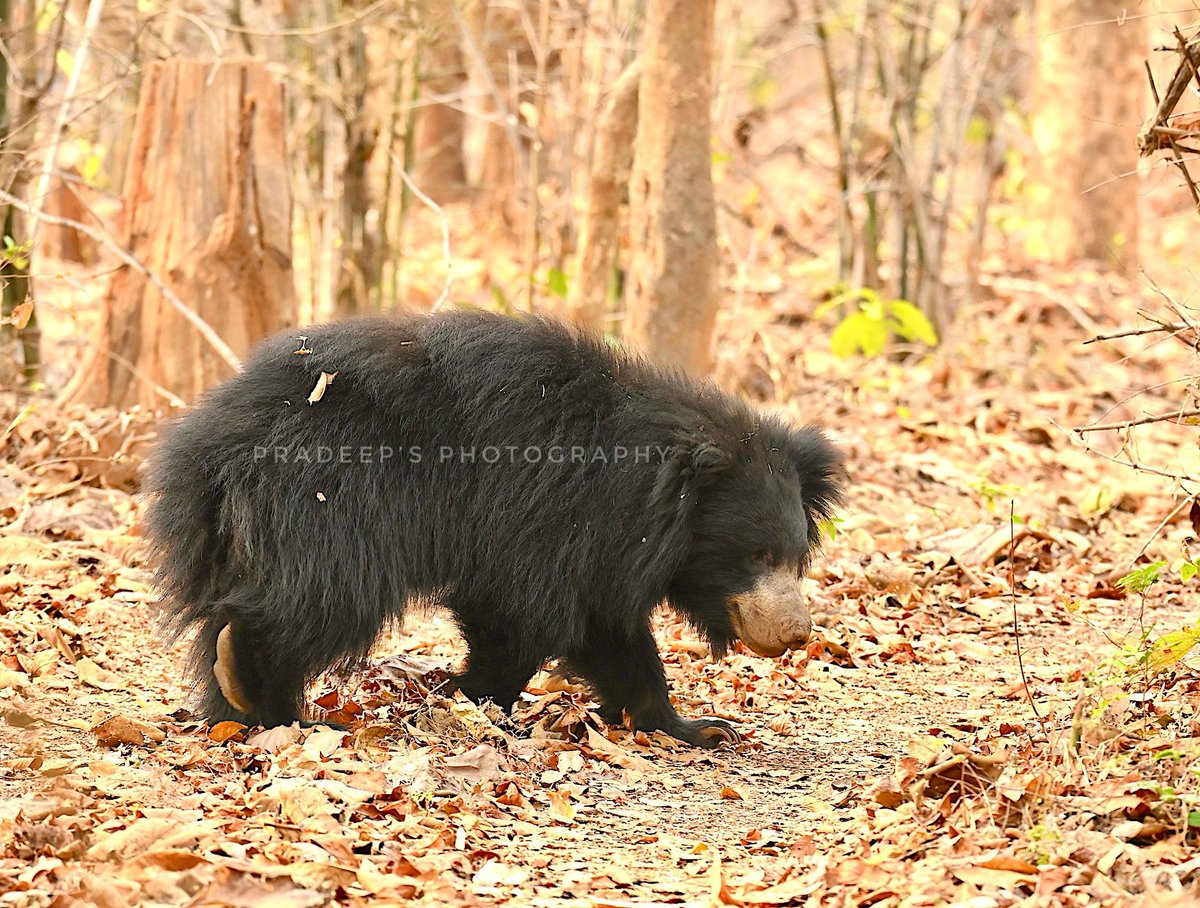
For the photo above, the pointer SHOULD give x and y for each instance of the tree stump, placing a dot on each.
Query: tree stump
(207, 210)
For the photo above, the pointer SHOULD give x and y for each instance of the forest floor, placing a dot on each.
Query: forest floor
(906, 757)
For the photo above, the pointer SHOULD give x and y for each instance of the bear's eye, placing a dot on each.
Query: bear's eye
(761, 558)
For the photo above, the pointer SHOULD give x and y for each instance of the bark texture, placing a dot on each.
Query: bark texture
(441, 125)
(591, 291)
(1089, 96)
(207, 207)
(672, 286)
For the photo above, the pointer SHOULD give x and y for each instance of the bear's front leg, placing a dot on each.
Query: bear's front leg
(626, 672)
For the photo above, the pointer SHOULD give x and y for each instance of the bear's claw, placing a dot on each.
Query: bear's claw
(707, 733)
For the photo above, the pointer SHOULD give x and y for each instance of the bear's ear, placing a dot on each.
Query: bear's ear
(708, 460)
(820, 467)
(689, 465)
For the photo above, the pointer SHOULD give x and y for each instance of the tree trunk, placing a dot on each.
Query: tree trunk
(207, 208)
(21, 91)
(498, 60)
(360, 252)
(672, 287)
(66, 200)
(439, 168)
(1088, 99)
(591, 292)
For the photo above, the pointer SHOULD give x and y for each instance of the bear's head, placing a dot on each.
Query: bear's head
(755, 521)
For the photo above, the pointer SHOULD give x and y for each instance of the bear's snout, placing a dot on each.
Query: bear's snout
(772, 617)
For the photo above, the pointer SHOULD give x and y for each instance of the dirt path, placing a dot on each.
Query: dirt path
(650, 832)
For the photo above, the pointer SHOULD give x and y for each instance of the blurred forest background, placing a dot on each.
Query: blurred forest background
(961, 234)
(876, 165)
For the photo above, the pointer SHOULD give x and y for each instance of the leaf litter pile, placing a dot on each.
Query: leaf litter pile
(905, 757)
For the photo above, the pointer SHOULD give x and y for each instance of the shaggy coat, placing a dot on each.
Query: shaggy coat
(546, 488)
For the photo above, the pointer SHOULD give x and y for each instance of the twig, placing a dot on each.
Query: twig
(95, 10)
(445, 225)
(1012, 588)
(105, 239)
(357, 18)
(1130, 423)
(1158, 529)
(1138, 332)
(1175, 90)
(1141, 468)
(533, 238)
(507, 120)
(1179, 159)
(1158, 386)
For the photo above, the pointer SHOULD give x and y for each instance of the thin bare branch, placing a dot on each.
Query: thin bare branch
(95, 10)
(106, 239)
(444, 222)
(1145, 420)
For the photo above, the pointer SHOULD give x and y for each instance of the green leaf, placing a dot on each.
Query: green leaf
(65, 62)
(857, 333)
(763, 91)
(1096, 502)
(874, 308)
(841, 298)
(826, 307)
(556, 282)
(912, 324)
(1142, 579)
(1194, 818)
(92, 165)
(1168, 649)
(1187, 571)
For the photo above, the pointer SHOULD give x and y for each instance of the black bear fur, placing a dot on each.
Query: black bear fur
(307, 561)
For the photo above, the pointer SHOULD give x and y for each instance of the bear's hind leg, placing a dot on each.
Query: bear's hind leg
(272, 652)
(627, 673)
(272, 679)
(498, 665)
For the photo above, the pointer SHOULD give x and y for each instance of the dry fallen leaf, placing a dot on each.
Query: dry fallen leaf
(118, 730)
(323, 383)
(93, 675)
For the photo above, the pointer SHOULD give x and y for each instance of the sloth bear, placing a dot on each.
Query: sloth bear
(547, 489)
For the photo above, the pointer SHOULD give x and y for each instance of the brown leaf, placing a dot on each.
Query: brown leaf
(224, 731)
(1007, 862)
(92, 674)
(277, 738)
(122, 730)
(32, 839)
(476, 765)
(887, 793)
(606, 750)
(718, 889)
(21, 314)
(136, 838)
(988, 878)
(223, 671)
(321, 386)
(171, 860)
(561, 807)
